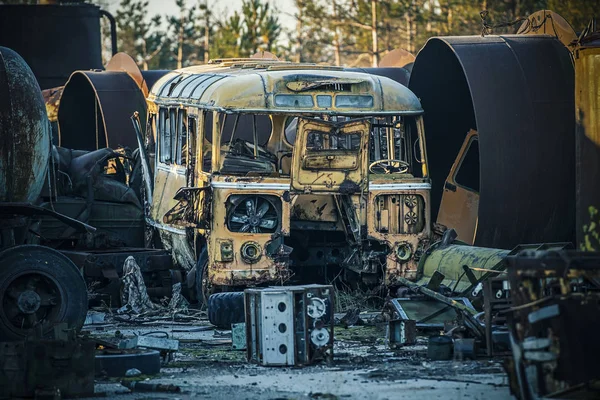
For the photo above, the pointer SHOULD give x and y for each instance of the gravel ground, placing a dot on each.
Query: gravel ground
(206, 366)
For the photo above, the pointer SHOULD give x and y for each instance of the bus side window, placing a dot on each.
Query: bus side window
(182, 137)
(165, 136)
(192, 139)
(206, 144)
(173, 137)
(151, 130)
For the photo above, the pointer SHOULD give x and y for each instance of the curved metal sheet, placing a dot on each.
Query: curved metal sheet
(397, 58)
(95, 110)
(221, 90)
(518, 93)
(398, 74)
(24, 131)
(151, 76)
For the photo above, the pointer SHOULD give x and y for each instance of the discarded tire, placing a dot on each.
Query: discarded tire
(225, 309)
(39, 287)
(115, 363)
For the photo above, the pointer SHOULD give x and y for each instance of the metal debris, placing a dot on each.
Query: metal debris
(401, 333)
(290, 325)
(238, 336)
(554, 323)
(150, 342)
(94, 318)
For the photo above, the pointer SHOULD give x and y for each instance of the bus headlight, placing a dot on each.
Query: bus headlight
(251, 252)
(404, 251)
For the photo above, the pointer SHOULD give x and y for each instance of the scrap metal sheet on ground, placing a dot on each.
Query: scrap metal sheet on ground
(517, 91)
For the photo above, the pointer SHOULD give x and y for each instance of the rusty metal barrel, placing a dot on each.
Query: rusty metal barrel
(24, 131)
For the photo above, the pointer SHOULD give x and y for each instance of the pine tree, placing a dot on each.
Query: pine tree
(137, 36)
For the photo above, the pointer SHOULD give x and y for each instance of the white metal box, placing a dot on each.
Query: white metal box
(289, 325)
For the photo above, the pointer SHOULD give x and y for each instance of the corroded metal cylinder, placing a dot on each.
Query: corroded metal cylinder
(24, 131)
(449, 260)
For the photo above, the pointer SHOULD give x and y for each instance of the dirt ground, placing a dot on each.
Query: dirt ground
(364, 367)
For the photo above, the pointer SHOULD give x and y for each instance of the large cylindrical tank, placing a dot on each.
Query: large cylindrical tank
(54, 39)
(517, 92)
(24, 131)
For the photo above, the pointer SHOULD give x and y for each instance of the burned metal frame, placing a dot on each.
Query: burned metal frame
(554, 323)
(459, 304)
(333, 193)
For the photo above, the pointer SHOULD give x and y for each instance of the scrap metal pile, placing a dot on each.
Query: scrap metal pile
(422, 184)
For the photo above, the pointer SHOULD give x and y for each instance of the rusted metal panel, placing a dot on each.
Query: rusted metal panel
(460, 202)
(397, 58)
(24, 131)
(95, 110)
(333, 156)
(238, 269)
(398, 74)
(517, 92)
(553, 324)
(587, 101)
(252, 87)
(404, 208)
(546, 22)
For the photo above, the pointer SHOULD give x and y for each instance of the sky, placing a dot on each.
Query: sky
(167, 7)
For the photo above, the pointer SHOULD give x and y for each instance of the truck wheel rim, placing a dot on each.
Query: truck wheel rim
(31, 299)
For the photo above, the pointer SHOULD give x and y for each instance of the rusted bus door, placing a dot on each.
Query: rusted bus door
(330, 156)
(188, 155)
(460, 201)
(200, 168)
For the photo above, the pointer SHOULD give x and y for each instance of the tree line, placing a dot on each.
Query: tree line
(340, 32)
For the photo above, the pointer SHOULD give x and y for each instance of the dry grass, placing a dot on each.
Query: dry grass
(348, 299)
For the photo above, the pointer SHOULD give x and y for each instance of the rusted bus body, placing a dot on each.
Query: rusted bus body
(271, 172)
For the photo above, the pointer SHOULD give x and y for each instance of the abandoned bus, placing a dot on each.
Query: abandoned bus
(273, 172)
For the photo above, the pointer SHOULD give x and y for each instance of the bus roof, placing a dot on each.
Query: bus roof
(268, 86)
